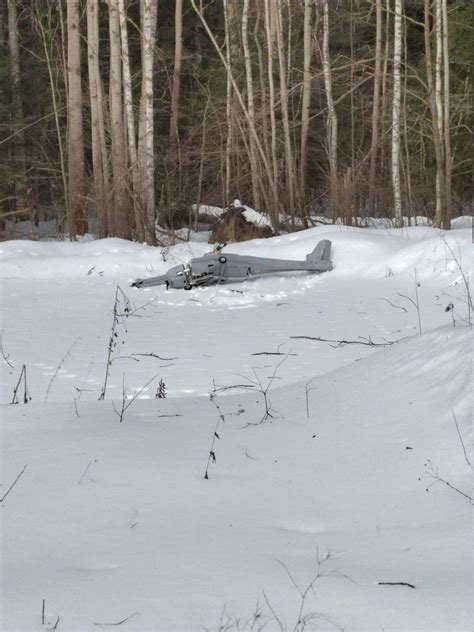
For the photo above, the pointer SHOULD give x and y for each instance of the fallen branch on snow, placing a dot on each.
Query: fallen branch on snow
(13, 484)
(340, 343)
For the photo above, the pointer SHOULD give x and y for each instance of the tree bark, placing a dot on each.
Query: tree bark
(119, 157)
(14, 51)
(176, 83)
(269, 21)
(332, 117)
(130, 120)
(250, 104)
(375, 107)
(437, 139)
(149, 11)
(440, 175)
(306, 97)
(447, 133)
(397, 53)
(99, 150)
(228, 106)
(284, 111)
(77, 224)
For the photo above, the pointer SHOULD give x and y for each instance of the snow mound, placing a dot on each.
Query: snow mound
(113, 519)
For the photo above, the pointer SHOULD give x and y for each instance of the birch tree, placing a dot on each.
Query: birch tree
(269, 31)
(436, 127)
(332, 117)
(396, 103)
(121, 226)
(148, 18)
(375, 105)
(250, 104)
(76, 167)
(130, 122)
(284, 110)
(446, 220)
(18, 117)
(98, 144)
(306, 96)
(176, 82)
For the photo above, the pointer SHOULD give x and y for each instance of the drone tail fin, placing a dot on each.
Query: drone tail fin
(321, 256)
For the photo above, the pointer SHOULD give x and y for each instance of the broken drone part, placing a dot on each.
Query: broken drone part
(218, 268)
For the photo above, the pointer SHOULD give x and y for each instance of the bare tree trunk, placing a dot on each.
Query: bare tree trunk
(447, 133)
(375, 106)
(228, 144)
(440, 176)
(76, 218)
(250, 104)
(130, 119)
(437, 139)
(263, 85)
(149, 10)
(119, 156)
(332, 117)
(17, 110)
(284, 111)
(306, 97)
(44, 32)
(397, 53)
(176, 84)
(269, 21)
(99, 157)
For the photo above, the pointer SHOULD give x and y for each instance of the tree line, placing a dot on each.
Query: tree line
(121, 114)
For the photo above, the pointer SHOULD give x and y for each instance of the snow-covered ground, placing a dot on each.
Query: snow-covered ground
(113, 522)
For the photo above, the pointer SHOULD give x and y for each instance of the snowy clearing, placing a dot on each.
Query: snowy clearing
(113, 522)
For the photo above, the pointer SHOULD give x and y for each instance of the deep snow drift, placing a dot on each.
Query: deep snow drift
(113, 521)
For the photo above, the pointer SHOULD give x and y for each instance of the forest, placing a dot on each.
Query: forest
(122, 115)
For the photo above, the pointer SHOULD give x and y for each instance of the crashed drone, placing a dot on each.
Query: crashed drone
(218, 268)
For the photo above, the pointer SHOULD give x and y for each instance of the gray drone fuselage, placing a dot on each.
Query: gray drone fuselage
(212, 269)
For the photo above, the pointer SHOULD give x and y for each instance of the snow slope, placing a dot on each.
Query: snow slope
(114, 519)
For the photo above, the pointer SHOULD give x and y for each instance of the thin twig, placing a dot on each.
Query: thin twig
(277, 619)
(84, 473)
(59, 367)
(396, 584)
(13, 484)
(117, 622)
(154, 355)
(130, 401)
(392, 304)
(461, 440)
(340, 343)
(272, 353)
(4, 355)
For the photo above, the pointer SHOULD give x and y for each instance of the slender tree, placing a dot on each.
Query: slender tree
(446, 220)
(148, 13)
(397, 55)
(76, 165)
(121, 227)
(130, 120)
(375, 106)
(99, 149)
(17, 102)
(332, 116)
(289, 164)
(176, 82)
(250, 104)
(306, 96)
